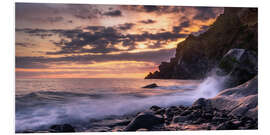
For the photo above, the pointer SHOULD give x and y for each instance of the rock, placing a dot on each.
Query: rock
(62, 128)
(160, 111)
(144, 120)
(181, 119)
(228, 125)
(153, 85)
(142, 129)
(155, 108)
(240, 64)
(186, 112)
(202, 104)
(239, 101)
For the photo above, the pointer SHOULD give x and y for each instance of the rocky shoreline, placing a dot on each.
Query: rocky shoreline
(232, 109)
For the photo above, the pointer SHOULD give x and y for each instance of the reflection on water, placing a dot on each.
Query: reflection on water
(43, 102)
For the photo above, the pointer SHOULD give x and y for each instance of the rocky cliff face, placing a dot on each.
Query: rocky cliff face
(197, 55)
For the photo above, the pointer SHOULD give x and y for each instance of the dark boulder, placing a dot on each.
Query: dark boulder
(202, 104)
(153, 85)
(154, 108)
(144, 120)
(241, 65)
(62, 128)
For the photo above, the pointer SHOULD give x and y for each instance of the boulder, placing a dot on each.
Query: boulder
(62, 128)
(153, 85)
(239, 101)
(181, 119)
(202, 103)
(241, 65)
(144, 120)
(154, 108)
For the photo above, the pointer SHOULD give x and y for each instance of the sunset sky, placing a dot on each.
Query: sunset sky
(101, 41)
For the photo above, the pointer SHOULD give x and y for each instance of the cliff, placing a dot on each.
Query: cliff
(198, 55)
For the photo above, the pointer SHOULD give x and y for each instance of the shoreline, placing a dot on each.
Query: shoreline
(199, 116)
(232, 109)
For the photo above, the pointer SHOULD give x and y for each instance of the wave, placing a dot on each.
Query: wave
(38, 110)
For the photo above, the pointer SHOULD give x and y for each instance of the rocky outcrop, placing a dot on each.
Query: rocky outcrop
(153, 85)
(197, 55)
(241, 65)
(240, 101)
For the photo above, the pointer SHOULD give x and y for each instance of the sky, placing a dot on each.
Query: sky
(101, 41)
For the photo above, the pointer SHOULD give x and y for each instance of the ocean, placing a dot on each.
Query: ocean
(41, 103)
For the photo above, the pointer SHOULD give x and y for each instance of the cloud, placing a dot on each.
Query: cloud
(100, 40)
(205, 13)
(24, 44)
(151, 8)
(155, 9)
(182, 25)
(126, 26)
(115, 13)
(43, 62)
(55, 19)
(149, 21)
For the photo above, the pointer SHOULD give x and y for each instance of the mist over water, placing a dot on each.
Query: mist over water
(56, 101)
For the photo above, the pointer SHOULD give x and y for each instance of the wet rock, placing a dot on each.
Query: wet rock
(153, 85)
(160, 111)
(240, 64)
(142, 129)
(202, 104)
(186, 112)
(239, 101)
(144, 120)
(181, 119)
(62, 128)
(155, 108)
(228, 125)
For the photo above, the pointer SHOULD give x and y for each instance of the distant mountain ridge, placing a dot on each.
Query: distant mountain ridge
(198, 55)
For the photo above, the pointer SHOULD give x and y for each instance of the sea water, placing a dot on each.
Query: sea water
(41, 103)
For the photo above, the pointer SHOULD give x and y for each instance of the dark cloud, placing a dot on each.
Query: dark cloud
(101, 39)
(182, 25)
(55, 19)
(115, 13)
(205, 13)
(24, 44)
(126, 26)
(151, 8)
(43, 62)
(155, 9)
(149, 21)
(54, 12)
(81, 11)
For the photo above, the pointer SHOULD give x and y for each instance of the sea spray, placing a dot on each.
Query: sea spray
(210, 86)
